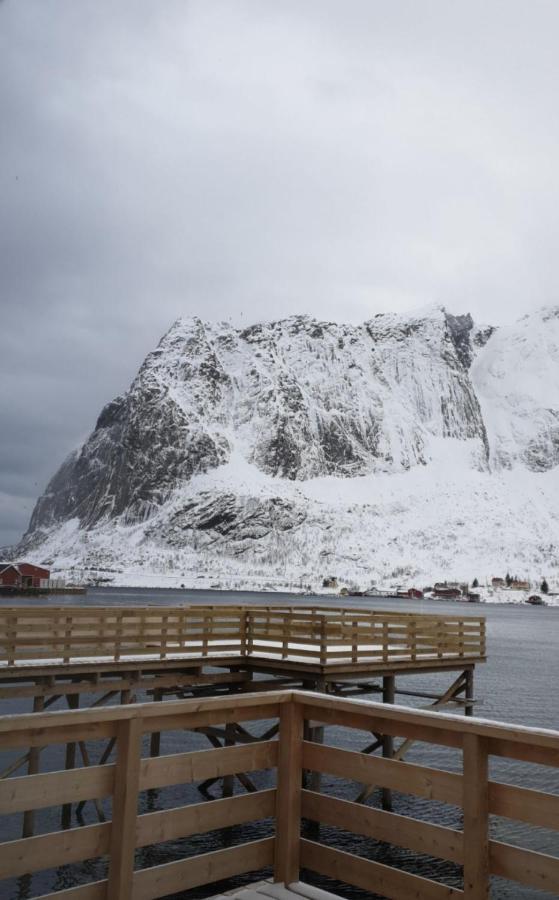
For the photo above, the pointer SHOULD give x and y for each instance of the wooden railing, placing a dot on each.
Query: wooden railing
(469, 789)
(321, 635)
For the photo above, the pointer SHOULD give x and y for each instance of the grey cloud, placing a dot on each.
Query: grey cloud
(246, 159)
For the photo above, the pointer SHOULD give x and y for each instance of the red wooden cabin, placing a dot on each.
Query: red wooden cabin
(22, 575)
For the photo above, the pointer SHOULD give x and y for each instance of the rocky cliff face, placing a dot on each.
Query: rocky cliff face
(226, 435)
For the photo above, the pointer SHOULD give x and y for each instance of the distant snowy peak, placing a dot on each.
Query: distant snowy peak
(516, 378)
(301, 399)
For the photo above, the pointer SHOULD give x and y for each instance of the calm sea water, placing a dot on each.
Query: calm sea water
(519, 684)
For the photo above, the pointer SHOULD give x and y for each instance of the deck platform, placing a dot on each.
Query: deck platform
(270, 890)
(69, 650)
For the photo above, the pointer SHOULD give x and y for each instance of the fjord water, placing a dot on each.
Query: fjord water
(518, 684)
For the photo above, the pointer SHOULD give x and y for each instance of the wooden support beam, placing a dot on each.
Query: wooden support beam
(34, 756)
(227, 786)
(476, 818)
(87, 762)
(155, 740)
(469, 707)
(73, 701)
(288, 806)
(125, 810)
(388, 690)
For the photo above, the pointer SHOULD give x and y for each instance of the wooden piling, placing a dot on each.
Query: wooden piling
(388, 694)
(73, 701)
(469, 706)
(32, 769)
(155, 740)
(288, 806)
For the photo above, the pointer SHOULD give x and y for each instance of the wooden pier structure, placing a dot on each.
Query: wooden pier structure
(284, 850)
(66, 651)
(126, 654)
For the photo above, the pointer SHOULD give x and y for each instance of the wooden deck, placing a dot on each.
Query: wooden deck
(48, 653)
(332, 637)
(269, 890)
(290, 795)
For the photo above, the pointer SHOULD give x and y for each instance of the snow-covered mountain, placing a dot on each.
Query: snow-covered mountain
(410, 445)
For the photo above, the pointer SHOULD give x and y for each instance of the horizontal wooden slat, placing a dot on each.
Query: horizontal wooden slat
(327, 709)
(216, 716)
(403, 831)
(48, 851)
(524, 805)
(54, 788)
(97, 890)
(198, 765)
(365, 722)
(185, 711)
(434, 784)
(524, 866)
(156, 827)
(205, 869)
(371, 876)
(36, 737)
(527, 752)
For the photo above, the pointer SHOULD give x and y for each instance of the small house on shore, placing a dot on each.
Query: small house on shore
(21, 576)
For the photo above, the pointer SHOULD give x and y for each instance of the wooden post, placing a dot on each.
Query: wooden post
(125, 810)
(12, 635)
(118, 635)
(468, 709)
(163, 644)
(388, 694)
(323, 642)
(73, 701)
(243, 631)
(317, 736)
(288, 805)
(227, 789)
(32, 769)
(476, 818)
(155, 741)
(67, 651)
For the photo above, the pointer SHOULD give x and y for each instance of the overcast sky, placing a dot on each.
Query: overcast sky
(249, 159)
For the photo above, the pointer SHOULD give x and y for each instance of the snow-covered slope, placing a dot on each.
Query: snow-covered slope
(274, 455)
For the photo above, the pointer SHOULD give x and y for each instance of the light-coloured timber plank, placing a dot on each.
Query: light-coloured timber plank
(199, 818)
(195, 871)
(433, 784)
(277, 891)
(55, 788)
(47, 851)
(251, 703)
(423, 731)
(524, 805)
(125, 810)
(371, 876)
(476, 818)
(543, 738)
(198, 765)
(38, 737)
(532, 752)
(249, 894)
(288, 815)
(311, 892)
(97, 890)
(167, 722)
(435, 840)
(524, 866)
